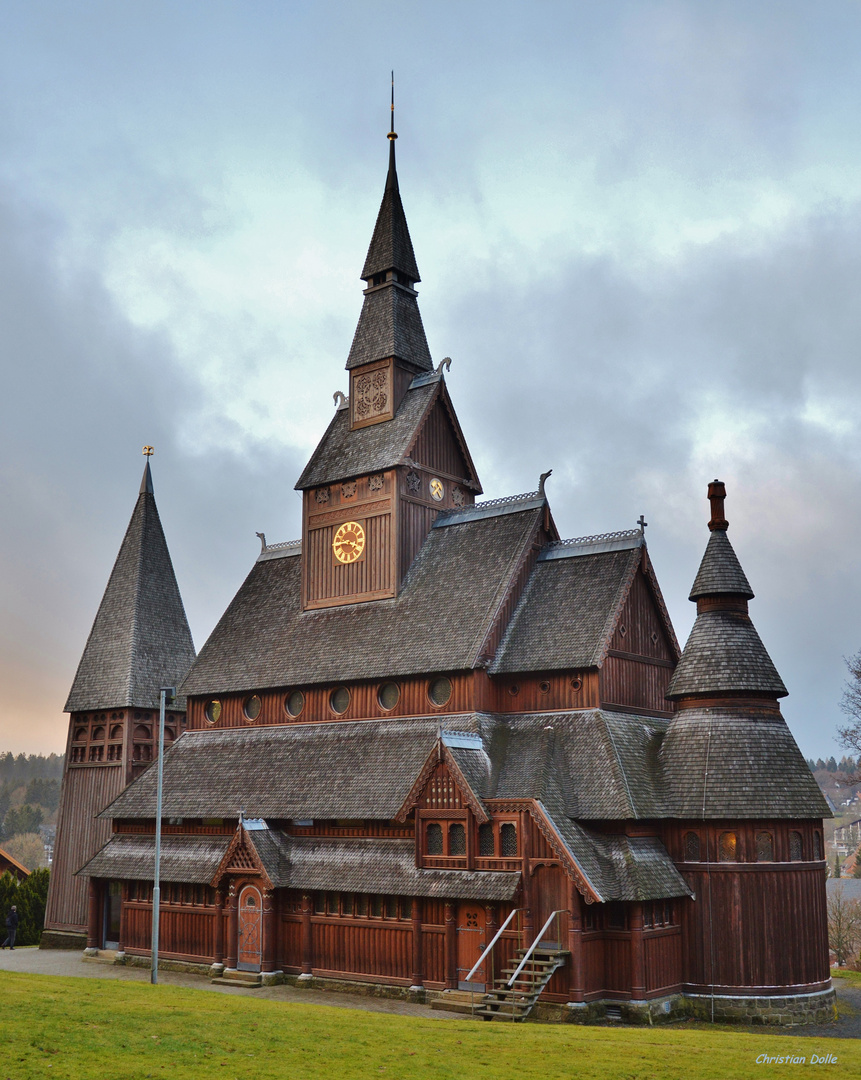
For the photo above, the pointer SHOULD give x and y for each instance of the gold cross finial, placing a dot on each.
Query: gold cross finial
(148, 451)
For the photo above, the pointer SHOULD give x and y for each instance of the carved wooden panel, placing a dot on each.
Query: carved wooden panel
(371, 394)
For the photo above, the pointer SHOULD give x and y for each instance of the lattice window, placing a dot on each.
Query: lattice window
(727, 847)
(457, 840)
(377, 907)
(590, 919)
(362, 906)
(796, 848)
(817, 845)
(434, 836)
(764, 847)
(242, 859)
(485, 839)
(347, 903)
(692, 847)
(508, 837)
(391, 907)
(319, 903)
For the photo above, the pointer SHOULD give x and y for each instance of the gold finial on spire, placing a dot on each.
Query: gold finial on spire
(148, 451)
(392, 133)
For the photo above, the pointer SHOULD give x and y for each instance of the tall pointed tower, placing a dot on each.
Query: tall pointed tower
(748, 832)
(394, 455)
(140, 641)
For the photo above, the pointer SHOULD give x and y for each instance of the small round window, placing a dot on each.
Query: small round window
(388, 695)
(439, 691)
(294, 703)
(252, 707)
(212, 712)
(544, 687)
(339, 700)
(576, 683)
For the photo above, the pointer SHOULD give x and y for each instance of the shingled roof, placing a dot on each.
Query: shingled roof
(391, 247)
(725, 655)
(390, 324)
(192, 859)
(724, 763)
(567, 610)
(264, 639)
(720, 571)
(343, 453)
(140, 640)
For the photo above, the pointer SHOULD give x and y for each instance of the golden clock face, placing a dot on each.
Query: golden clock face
(436, 489)
(349, 542)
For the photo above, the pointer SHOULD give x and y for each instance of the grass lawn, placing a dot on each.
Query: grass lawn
(90, 1028)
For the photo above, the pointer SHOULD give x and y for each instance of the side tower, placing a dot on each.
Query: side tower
(140, 641)
(748, 814)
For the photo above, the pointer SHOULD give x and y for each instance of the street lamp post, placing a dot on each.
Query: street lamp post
(166, 693)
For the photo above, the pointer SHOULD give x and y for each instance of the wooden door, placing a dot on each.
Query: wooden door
(549, 894)
(471, 940)
(250, 930)
(113, 911)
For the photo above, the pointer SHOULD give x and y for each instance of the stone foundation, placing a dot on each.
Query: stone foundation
(63, 939)
(788, 1011)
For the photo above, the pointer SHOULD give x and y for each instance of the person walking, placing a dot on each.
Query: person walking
(11, 928)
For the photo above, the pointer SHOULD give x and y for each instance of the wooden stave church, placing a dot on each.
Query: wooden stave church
(431, 712)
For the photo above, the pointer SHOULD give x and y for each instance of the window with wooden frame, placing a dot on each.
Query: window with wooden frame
(727, 847)
(456, 839)
(692, 847)
(497, 839)
(817, 845)
(591, 921)
(764, 847)
(796, 847)
(434, 839)
(617, 917)
(658, 914)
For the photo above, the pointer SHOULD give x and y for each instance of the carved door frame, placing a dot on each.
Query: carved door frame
(249, 933)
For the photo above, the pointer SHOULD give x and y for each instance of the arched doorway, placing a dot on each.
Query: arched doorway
(471, 941)
(249, 946)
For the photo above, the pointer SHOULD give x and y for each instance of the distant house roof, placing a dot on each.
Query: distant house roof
(10, 863)
(140, 639)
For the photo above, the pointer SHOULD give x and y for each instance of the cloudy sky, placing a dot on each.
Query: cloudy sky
(639, 232)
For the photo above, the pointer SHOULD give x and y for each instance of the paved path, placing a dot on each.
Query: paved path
(68, 962)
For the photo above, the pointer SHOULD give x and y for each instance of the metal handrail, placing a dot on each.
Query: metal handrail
(496, 938)
(533, 947)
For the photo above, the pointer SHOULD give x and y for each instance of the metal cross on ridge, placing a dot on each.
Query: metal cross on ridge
(641, 521)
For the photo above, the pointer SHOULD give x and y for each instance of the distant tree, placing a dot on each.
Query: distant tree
(811, 764)
(844, 925)
(30, 897)
(28, 849)
(820, 764)
(856, 873)
(850, 734)
(43, 792)
(831, 764)
(21, 819)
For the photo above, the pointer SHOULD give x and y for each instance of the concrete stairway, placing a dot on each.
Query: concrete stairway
(514, 1003)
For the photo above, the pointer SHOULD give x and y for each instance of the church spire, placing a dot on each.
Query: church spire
(390, 254)
(390, 325)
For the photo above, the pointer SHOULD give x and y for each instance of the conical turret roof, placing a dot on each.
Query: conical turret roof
(140, 640)
(724, 654)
